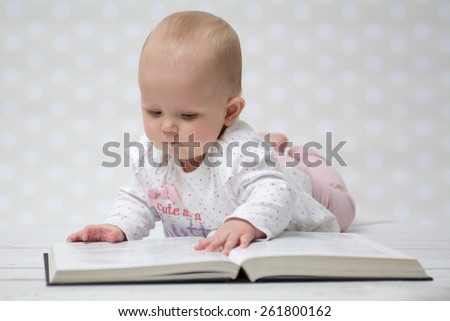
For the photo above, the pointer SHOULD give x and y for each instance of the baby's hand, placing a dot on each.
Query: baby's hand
(98, 233)
(232, 233)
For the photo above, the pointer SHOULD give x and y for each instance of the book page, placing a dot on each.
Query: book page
(315, 244)
(151, 252)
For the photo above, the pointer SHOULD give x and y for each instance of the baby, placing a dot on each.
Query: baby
(203, 172)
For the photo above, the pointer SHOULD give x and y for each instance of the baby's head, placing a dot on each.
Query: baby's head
(190, 80)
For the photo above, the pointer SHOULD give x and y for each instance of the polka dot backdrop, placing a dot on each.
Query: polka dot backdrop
(374, 73)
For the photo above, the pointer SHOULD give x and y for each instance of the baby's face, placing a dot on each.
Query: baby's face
(182, 108)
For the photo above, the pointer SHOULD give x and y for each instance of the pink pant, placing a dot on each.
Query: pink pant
(328, 188)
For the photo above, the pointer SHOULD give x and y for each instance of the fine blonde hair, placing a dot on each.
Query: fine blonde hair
(185, 29)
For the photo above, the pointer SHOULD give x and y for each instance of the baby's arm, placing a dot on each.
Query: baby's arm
(230, 234)
(98, 233)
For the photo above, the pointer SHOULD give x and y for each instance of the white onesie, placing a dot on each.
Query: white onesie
(240, 183)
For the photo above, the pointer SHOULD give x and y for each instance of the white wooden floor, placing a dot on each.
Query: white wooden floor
(22, 272)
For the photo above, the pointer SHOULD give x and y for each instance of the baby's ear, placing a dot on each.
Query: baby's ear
(234, 108)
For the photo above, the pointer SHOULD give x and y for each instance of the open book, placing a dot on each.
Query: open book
(292, 255)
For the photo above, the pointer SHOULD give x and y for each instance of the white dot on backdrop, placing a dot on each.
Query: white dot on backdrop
(373, 95)
(277, 95)
(28, 188)
(302, 12)
(157, 11)
(131, 125)
(11, 76)
(253, 45)
(401, 210)
(82, 126)
(302, 45)
(400, 176)
(372, 31)
(374, 127)
(349, 46)
(79, 190)
(399, 143)
(106, 175)
(35, 61)
(446, 176)
(26, 218)
(12, 43)
(445, 110)
(130, 94)
(277, 63)
(253, 78)
(373, 63)
(85, 29)
(53, 204)
(349, 111)
(60, 76)
(421, 30)
(350, 78)
(325, 31)
(444, 45)
(108, 77)
(9, 108)
(349, 13)
(5, 203)
(423, 127)
(445, 142)
(13, 10)
(83, 93)
(324, 63)
(61, 10)
(350, 176)
(108, 109)
(109, 44)
(324, 126)
(444, 12)
(422, 63)
(6, 172)
(302, 110)
(32, 125)
(131, 61)
(397, 12)
(374, 161)
(78, 219)
(277, 31)
(253, 110)
(422, 95)
(398, 78)
(59, 109)
(56, 173)
(84, 61)
(375, 193)
(103, 205)
(57, 141)
(351, 143)
(324, 95)
(424, 160)
(398, 46)
(81, 158)
(302, 78)
(277, 126)
(445, 78)
(254, 12)
(110, 11)
(7, 140)
(31, 157)
(60, 43)
(399, 111)
(425, 192)
(36, 28)
(132, 30)
(33, 93)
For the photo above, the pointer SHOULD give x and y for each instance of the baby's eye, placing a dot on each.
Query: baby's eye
(188, 116)
(154, 113)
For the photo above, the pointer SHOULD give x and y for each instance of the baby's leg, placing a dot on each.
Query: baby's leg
(328, 188)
